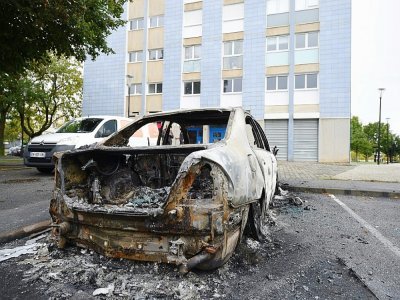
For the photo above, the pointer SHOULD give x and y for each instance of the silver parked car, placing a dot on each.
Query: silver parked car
(185, 198)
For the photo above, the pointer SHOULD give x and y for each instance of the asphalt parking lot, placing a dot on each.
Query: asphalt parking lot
(24, 197)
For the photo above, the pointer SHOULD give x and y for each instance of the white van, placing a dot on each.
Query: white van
(73, 134)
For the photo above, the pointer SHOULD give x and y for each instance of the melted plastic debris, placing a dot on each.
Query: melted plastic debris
(145, 197)
(252, 244)
(30, 247)
(80, 204)
(104, 291)
(285, 198)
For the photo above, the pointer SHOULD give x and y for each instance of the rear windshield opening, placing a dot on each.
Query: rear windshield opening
(181, 129)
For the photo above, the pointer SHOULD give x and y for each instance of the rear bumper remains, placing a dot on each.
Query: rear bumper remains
(198, 240)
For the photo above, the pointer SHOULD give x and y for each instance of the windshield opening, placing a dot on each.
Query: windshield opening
(205, 127)
(80, 125)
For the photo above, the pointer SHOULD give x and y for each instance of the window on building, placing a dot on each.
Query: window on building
(277, 6)
(306, 4)
(157, 21)
(192, 23)
(191, 88)
(278, 43)
(233, 55)
(312, 39)
(307, 40)
(192, 59)
(193, 52)
(232, 17)
(306, 81)
(135, 89)
(156, 54)
(135, 56)
(312, 81)
(136, 24)
(155, 88)
(233, 85)
(277, 83)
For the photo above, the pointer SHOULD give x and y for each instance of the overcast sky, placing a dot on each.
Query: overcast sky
(376, 60)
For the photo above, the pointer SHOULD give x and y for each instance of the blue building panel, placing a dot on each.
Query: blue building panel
(254, 52)
(211, 61)
(104, 78)
(173, 20)
(335, 58)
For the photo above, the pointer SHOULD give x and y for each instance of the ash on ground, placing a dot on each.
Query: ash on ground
(285, 199)
(76, 273)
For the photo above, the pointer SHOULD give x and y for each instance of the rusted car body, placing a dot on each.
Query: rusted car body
(185, 200)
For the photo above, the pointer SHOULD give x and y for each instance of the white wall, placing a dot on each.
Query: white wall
(231, 100)
(277, 98)
(306, 97)
(192, 101)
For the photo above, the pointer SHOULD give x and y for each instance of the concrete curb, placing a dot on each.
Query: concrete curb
(24, 231)
(348, 192)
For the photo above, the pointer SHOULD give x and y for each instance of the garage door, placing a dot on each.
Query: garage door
(277, 135)
(305, 140)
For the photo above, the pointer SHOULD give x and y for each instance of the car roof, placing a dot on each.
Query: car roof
(105, 117)
(192, 110)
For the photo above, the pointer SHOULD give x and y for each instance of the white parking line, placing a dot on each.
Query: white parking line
(369, 227)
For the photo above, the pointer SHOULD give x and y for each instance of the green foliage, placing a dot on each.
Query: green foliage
(359, 140)
(30, 29)
(364, 139)
(40, 96)
(7, 84)
(12, 129)
(371, 130)
(49, 92)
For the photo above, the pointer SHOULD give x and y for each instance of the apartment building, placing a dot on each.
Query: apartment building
(286, 61)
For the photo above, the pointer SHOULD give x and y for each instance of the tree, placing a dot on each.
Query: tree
(30, 29)
(13, 128)
(7, 84)
(40, 96)
(49, 92)
(371, 130)
(359, 141)
(396, 145)
(386, 138)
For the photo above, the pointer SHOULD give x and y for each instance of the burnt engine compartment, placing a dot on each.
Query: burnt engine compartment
(129, 179)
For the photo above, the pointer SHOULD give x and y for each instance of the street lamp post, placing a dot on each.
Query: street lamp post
(388, 142)
(129, 82)
(381, 90)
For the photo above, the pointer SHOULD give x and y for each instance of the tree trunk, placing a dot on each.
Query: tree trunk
(2, 130)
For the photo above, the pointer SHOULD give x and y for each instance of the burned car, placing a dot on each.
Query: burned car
(185, 198)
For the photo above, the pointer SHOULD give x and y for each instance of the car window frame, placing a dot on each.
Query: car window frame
(100, 131)
(258, 133)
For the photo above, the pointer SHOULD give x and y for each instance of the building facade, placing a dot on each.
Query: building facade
(286, 61)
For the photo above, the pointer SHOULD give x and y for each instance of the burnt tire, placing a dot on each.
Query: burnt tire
(277, 191)
(256, 222)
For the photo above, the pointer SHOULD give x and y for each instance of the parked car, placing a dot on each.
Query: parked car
(14, 151)
(186, 200)
(73, 134)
